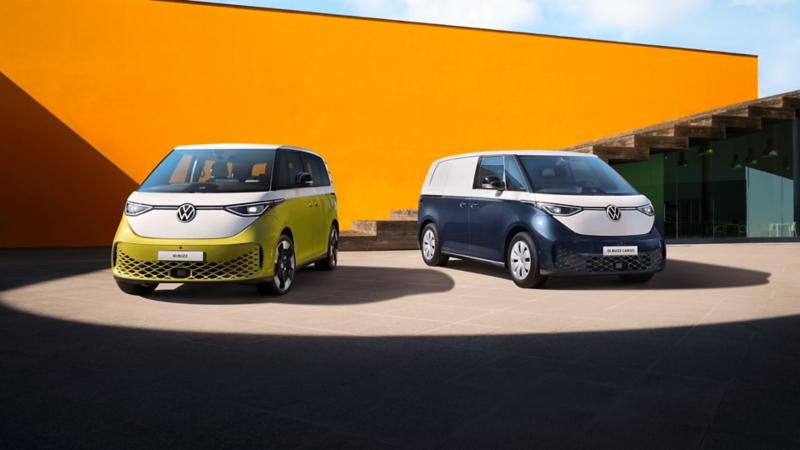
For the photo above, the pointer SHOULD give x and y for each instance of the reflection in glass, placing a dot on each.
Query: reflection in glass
(709, 192)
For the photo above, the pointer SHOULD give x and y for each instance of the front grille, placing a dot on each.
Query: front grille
(245, 266)
(569, 261)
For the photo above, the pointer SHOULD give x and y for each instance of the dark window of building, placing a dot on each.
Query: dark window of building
(737, 188)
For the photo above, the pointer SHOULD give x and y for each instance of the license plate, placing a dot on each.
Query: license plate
(620, 251)
(167, 255)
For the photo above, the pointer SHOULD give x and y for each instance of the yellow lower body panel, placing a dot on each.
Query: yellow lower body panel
(247, 257)
(234, 262)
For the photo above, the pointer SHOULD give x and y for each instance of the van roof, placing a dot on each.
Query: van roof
(518, 152)
(234, 146)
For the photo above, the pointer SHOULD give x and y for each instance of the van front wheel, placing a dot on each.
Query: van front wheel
(523, 263)
(283, 274)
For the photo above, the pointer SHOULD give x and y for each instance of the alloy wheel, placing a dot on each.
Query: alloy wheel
(428, 244)
(284, 266)
(334, 250)
(520, 260)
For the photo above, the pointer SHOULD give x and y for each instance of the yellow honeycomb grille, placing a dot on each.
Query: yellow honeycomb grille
(241, 267)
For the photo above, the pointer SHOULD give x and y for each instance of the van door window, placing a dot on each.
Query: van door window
(288, 165)
(515, 181)
(491, 166)
(313, 165)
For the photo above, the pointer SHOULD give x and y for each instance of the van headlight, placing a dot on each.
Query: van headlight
(647, 209)
(253, 209)
(135, 209)
(557, 210)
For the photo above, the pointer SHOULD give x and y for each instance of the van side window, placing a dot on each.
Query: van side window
(491, 166)
(287, 166)
(515, 181)
(313, 165)
(439, 178)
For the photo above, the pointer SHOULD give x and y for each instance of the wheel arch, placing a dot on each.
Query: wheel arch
(512, 231)
(424, 223)
(287, 231)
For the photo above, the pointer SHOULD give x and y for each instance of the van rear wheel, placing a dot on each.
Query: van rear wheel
(332, 258)
(522, 262)
(431, 248)
(136, 288)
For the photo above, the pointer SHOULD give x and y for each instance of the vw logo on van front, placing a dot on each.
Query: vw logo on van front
(613, 213)
(186, 212)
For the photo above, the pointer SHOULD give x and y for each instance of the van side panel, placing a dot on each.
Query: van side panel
(454, 206)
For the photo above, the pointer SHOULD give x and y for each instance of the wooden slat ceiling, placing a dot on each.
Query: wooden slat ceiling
(680, 134)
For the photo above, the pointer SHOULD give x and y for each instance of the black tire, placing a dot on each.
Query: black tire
(522, 262)
(332, 258)
(636, 278)
(285, 267)
(136, 288)
(430, 248)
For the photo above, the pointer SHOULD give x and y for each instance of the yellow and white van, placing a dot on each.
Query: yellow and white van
(246, 213)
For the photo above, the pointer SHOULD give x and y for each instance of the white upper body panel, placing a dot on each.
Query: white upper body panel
(208, 224)
(453, 176)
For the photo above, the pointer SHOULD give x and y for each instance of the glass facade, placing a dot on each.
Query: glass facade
(742, 187)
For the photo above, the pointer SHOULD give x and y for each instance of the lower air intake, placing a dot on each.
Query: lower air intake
(569, 261)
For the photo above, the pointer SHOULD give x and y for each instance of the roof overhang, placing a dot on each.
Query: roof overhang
(680, 134)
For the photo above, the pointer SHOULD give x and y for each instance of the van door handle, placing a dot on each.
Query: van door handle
(315, 203)
(462, 204)
(473, 205)
(310, 205)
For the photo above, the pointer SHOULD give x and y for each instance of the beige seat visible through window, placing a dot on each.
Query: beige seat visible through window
(219, 170)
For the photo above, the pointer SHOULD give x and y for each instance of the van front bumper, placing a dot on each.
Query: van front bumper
(563, 251)
(241, 258)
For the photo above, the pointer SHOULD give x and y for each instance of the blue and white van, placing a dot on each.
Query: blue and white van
(538, 213)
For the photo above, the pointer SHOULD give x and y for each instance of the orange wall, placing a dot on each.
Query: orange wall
(380, 100)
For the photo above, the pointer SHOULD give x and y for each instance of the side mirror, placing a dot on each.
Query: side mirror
(303, 179)
(493, 183)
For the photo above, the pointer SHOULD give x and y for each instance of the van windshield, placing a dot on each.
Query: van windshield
(574, 175)
(212, 171)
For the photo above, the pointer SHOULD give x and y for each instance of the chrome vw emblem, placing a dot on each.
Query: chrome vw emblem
(186, 212)
(613, 213)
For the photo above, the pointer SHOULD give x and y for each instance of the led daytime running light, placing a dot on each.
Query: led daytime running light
(135, 209)
(253, 209)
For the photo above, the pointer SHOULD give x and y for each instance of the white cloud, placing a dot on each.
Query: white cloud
(629, 17)
(759, 3)
(374, 7)
(499, 14)
(473, 13)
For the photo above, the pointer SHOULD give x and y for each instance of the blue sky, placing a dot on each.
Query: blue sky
(767, 28)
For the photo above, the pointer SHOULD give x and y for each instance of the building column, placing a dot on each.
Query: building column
(707, 195)
(796, 167)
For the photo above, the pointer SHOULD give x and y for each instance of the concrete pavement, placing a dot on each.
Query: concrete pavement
(386, 352)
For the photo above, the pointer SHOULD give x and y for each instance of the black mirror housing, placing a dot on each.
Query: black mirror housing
(303, 179)
(493, 183)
